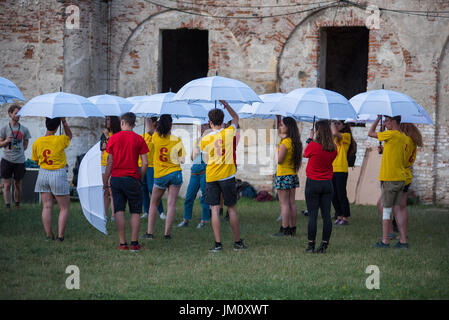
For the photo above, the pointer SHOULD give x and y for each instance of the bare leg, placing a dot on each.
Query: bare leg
(293, 209)
(156, 197)
(47, 208)
(284, 201)
(106, 199)
(173, 192)
(17, 190)
(215, 219)
(380, 208)
(402, 218)
(7, 190)
(234, 222)
(64, 209)
(135, 225)
(120, 225)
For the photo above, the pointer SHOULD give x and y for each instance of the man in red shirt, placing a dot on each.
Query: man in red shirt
(124, 149)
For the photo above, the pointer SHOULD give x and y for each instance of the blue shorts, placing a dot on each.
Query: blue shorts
(171, 179)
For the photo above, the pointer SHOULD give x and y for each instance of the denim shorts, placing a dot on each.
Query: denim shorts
(171, 179)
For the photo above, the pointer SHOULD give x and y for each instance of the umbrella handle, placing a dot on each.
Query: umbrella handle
(380, 142)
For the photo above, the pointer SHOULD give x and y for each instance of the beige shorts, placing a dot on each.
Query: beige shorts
(391, 193)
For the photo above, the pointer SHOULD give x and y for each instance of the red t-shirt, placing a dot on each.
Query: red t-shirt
(319, 166)
(126, 147)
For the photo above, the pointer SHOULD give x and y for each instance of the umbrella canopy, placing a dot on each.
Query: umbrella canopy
(90, 188)
(162, 103)
(385, 102)
(263, 109)
(210, 89)
(9, 91)
(60, 104)
(111, 105)
(237, 106)
(305, 104)
(136, 99)
(417, 119)
(183, 120)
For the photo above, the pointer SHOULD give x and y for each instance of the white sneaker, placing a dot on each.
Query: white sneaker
(280, 218)
(144, 215)
(201, 225)
(183, 224)
(163, 216)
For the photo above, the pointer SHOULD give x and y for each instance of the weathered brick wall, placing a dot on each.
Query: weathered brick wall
(407, 53)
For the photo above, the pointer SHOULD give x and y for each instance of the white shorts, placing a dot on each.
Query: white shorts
(103, 169)
(53, 181)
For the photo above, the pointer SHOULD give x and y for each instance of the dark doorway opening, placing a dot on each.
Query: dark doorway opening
(185, 57)
(344, 59)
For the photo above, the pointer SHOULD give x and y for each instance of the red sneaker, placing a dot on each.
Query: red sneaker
(123, 247)
(136, 248)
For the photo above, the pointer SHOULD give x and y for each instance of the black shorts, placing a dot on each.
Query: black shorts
(127, 189)
(216, 188)
(10, 170)
(406, 188)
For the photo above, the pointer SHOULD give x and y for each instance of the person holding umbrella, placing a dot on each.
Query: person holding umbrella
(112, 126)
(220, 173)
(169, 153)
(392, 176)
(52, 183)
(343, 139)
(289, 161)
(321, 152)
(14, 138)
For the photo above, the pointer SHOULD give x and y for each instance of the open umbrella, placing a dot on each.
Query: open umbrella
(90, 188)
(135, 99)
(416, 119)
(9, 91)
(307, 104)
(211, 89)
(60, 104)
(385, 102)
(111, 105)
(263, 109)
(162, 103)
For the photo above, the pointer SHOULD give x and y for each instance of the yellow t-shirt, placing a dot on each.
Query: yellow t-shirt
(286, 167)
(48, 151)
(392, 165)
(104, 154)
(340, 163)
(409, 160)
(148, 137)
(166, 150)
(219, 146)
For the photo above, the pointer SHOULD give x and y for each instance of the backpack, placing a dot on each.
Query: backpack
(352, 153)
(263, 196)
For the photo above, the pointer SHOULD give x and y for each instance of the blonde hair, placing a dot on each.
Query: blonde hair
(413, 132)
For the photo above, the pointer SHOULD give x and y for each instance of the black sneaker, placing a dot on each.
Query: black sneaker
(60, 239)
(167, 236)
(380, 244)
(283, 232)
(218, 247)
(310, 247)
(400, 245)
(305, 213)
(48, 238)
(322, 248)
(239, 245)
(292, 231)
(147, 236)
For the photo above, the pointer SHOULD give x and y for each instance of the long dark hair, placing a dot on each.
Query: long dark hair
(164, 125)
(114, 124)
(353, 146)
(293, 134)
(324, 136)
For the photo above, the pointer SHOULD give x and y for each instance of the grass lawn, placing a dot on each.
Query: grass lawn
(183, 267)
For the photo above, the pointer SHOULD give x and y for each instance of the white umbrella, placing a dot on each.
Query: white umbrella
(90, 188)
(135, 99)
(9, 91)
(60, 104)
(263, 109)
(417, 119)
(385, 102)
(161, 103)
(236, 106)
(211, 89)
(306, 104)
(183, 120)
(111, 105)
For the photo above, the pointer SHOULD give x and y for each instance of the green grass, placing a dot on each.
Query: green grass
(183, 268)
